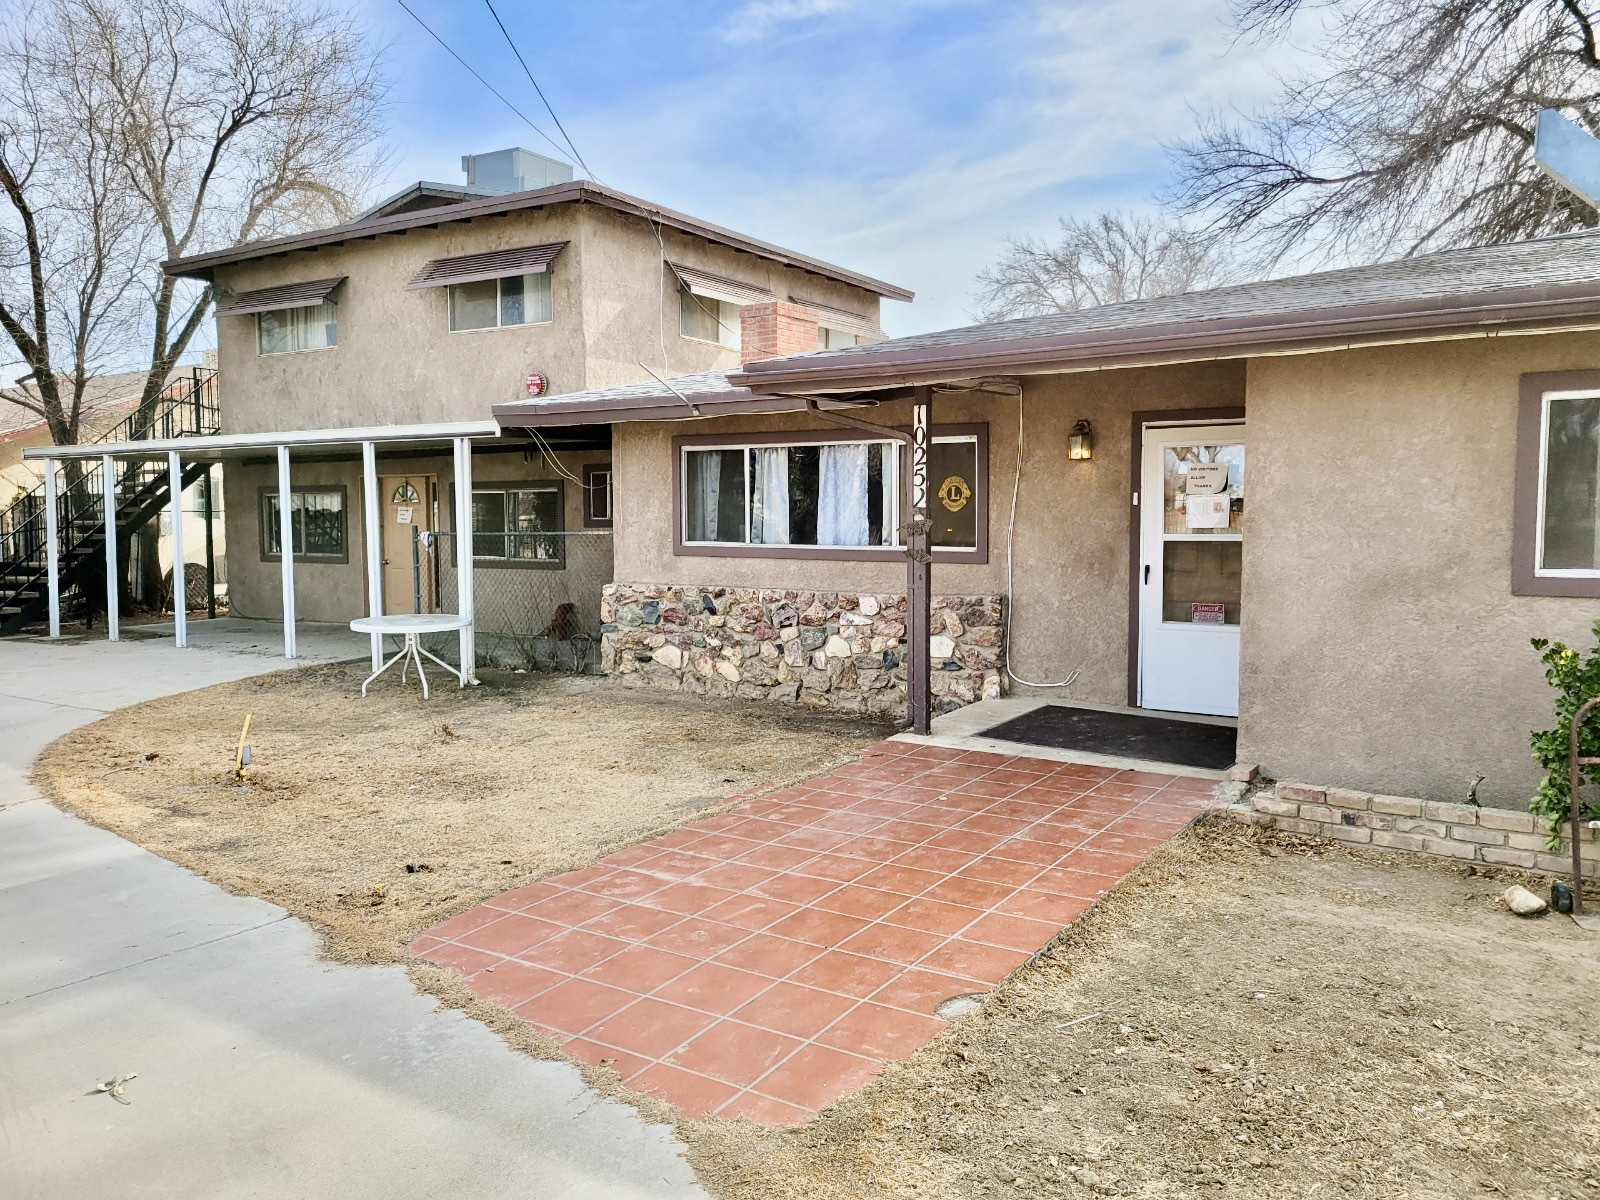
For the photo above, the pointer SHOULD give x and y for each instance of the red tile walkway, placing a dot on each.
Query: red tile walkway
(763, 962)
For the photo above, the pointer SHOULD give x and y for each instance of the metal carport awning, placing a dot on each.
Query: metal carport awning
(217, 447)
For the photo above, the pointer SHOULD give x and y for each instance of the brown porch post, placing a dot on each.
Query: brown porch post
(919, 564)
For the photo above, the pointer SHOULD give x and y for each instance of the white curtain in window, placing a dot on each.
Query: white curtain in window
(842, 496)
(769, 496)
(710, 488)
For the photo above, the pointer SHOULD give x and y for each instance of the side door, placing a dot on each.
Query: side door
(1191, 520)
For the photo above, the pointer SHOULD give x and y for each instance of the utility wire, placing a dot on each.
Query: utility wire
(559, 148)
(539, 91)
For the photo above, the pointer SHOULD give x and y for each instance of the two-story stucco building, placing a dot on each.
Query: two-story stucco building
(443, 301)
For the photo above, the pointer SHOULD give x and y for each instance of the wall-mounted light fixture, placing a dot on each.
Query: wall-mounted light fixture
(1080, 442)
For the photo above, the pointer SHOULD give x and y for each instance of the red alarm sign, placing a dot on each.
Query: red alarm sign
(537, 384)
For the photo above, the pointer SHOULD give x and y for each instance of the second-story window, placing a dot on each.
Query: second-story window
(834, 339)
(492, 303)
(707, 319)
(282, 330)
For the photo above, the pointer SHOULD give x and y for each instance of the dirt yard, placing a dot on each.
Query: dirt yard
(1249, 1015)
(376, 818)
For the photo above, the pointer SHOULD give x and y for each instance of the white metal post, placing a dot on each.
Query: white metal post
(464, 599)
(180, 585)
(108, 492)
(286, 551)
(52, 550)
(373, 534)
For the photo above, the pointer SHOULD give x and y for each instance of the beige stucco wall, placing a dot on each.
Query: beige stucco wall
(1382, 647)
(614, 305)
(1070, 594)
(331, 591)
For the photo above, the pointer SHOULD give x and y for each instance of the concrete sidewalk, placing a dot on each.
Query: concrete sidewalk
(262, 1070)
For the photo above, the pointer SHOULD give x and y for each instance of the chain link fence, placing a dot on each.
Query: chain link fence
(536, 596)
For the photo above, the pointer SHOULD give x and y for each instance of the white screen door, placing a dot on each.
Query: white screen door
(1191, 537)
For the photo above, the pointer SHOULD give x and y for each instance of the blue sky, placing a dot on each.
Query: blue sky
(903, 138)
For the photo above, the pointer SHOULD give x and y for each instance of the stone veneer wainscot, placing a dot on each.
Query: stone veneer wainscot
(833, 650)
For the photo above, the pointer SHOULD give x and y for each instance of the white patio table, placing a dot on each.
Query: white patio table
(411, 626)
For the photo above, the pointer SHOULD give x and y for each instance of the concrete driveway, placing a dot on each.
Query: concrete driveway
(262, 1070)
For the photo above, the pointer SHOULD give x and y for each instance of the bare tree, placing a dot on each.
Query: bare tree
(1414, 133)
(1103, 259)
(133, 131)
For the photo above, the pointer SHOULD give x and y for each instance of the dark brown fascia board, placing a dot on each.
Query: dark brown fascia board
(201, 266)
(1304, 331)
(517, 415)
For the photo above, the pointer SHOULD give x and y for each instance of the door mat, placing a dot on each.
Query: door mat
(1126, 735)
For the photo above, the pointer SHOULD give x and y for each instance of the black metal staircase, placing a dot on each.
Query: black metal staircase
(187, 407)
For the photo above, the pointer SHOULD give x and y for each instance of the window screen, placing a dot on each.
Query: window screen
(283, 330)
(316, 520)
(1570, 525)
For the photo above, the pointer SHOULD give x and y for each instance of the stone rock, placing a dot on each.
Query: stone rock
(991, 685)
(763, 632)
(788, 634)
(728, 671)
(650, 611)
(784, 616)
(836, 647)
(815, 615)
(707, 604)
(794, 653)
(669, 656)
(786, 692)
(987, 636)
(702, 665)
(769, 651)
(674, 615)
(891, 627)
(941, 647)
(953, 626)
(657, 639)
(854, 619)
(1523, 902)
(629, 616)
(816, 681)
(717, 622)
(812, 638)
(819, 660)
(869, 606)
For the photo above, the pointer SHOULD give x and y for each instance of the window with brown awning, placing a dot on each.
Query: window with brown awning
(492, 264)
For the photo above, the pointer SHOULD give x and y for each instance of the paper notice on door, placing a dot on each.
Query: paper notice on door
(1206, 479)
(403, 515)
(1206, 512)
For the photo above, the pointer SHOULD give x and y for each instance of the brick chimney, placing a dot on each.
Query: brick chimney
(774, 329)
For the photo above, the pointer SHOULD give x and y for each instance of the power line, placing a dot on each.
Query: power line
(537, 89)
(558, 147)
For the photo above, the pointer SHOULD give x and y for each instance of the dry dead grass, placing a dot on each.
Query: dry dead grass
(375, 818)
(1276, 1018)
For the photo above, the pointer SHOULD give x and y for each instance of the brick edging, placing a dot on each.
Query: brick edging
(1495, 836)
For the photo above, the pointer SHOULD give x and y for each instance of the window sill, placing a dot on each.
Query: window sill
(335, 560)
(503, 328)
(281, 353)
(819, 553)
(1574, 587)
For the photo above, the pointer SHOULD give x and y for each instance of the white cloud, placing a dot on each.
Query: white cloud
(757, 18)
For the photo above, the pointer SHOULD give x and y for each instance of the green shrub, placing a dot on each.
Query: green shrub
(1576, 678)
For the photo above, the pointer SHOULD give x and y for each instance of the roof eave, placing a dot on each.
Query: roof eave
(1483, 314)
(524, 415)
(203, 266)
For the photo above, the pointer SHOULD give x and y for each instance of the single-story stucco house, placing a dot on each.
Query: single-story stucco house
(1337, 506)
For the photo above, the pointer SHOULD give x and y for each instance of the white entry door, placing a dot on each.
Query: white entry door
(1191, 522)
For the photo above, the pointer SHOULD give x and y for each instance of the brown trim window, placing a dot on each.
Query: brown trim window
(1556, 547)
(317, 522)
(597, 496)
(825, 495)
(519, 525)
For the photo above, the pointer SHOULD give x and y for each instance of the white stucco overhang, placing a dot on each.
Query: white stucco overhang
(235, 445)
